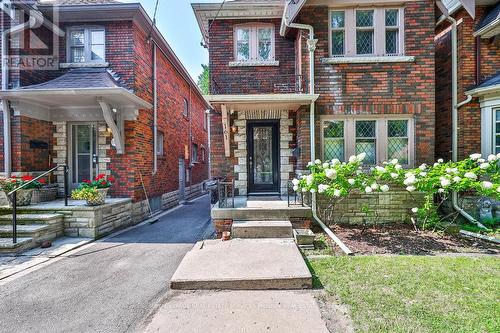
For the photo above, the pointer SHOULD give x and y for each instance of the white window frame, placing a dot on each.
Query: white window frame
(160, 137)
(381, 134)
(254, 42)
(496, 148)
(194, 153)
(87, 43)
(379, 28)
(185, 107)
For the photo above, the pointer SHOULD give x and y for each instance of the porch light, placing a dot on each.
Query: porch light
(234, 129)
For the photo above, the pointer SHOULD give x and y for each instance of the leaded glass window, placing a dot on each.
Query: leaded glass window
(366, 141)
(497, 131)
(243, 44)
(86, 44)
(77, 40)
(364, 32)
(254, 43)
(391, 31)
(265, 43)
(397, 140)
(333, 140)
(338, 32)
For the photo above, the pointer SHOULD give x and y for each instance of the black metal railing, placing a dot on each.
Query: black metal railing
(295, 198)
(225, 191)
(13, 194)
(280, 84)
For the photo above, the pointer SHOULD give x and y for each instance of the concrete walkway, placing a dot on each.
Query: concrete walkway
(108, 286)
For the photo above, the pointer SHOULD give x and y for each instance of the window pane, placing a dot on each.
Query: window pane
(265, 43)
(243, 44)
(364, 18)
(243, 34)
(97, 52)
(333, 134)
(398, 128)
(397, 144)
(185, 110)
(77, 54)
(365, 129)
(365, 140)
(391, 18)
(338, 20)
(497, 134)
(337, 42)
(391, 42)
(78, 38)
(364, 42)
(97, 36)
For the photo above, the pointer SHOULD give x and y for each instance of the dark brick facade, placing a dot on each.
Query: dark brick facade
(469, 75)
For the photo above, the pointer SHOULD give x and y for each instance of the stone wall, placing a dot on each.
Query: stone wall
(390, 207)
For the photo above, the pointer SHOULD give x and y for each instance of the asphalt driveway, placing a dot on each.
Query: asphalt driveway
(110, 286)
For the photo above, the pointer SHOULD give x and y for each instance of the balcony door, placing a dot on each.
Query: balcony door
(84, 158)
(263, 157)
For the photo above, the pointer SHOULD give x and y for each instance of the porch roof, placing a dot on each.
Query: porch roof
(487, 87)
(262, 101)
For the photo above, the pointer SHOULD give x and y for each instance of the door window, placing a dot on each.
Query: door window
(84, 152)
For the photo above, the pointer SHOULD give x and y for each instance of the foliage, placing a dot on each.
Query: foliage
(204, 80)
(86, 193)
(437, 182)
(10, 184)
(101, 181)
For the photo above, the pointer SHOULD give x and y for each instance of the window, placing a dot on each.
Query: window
(205, 121)
(380, 138)
(194, 154)
(366, 32)
(254, 43)
(159, 143)
(497, 132)
(185, 108)
(203, 154)
(86, 44)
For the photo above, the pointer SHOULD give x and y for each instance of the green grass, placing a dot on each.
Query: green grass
(415, 294)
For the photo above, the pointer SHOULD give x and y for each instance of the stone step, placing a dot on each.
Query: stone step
(243, 264)
(24, 218)
(23, 243)
(262, 229)
(32, 230)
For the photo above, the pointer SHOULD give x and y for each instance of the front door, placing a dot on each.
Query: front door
(84, 160)
(263, 157)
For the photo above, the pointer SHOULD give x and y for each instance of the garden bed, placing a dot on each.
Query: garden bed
(403, 239)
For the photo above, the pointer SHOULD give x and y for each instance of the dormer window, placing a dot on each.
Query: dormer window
(254, 43)
(86, 44)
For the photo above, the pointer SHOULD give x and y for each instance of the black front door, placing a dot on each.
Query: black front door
(263, 157)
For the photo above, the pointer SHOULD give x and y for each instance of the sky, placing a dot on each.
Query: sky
(176, 21)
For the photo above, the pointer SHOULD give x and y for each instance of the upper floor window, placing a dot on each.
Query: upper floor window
(254, 43)
(366, 32)
(159, 143)
(185, 108)
(194, 153)
(86, 44)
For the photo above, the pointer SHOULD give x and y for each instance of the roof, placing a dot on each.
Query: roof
(487, 87)
(490, 24)
(491, 82)
(76, 2)
(84, 78)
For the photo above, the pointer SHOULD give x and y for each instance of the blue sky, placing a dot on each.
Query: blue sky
(177, 23)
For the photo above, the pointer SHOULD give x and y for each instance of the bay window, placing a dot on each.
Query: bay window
(254, 43)
(86, 44)
(366, 32)
(497, 131)
(380, 138)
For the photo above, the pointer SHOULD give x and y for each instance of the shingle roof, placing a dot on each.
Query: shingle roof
(490, 17)
(491, 82)
(80, 78)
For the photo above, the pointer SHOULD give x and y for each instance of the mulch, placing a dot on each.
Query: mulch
(404, 239)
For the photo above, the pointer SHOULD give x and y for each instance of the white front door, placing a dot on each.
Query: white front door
(83, 152)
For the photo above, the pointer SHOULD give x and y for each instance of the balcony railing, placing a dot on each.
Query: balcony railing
(273, 84)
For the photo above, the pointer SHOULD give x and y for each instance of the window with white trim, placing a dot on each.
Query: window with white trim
(159, 143)
(185, 108)
(497, 132)
(194, 153)
(254, 43)
(86, 44)
(380, 138)
(366, 32)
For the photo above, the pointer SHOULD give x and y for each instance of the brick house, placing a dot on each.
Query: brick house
(372, 87)
(478, 79)
(119, 102)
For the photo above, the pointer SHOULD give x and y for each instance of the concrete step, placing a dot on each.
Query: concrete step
(23, 243)
(262, 229)
(31, 230)
(24, 218)
(243, 264)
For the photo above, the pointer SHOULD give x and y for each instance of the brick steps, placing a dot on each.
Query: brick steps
(261, 229)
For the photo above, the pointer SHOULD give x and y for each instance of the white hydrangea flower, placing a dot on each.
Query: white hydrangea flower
(398, 167)
(441, 190)
(395, 161)
(379, 168)
(470, 175)
(423, 167)
(318, 162)
(484, 166)
(411, 188)
(487, 185)
(309, 180)
(310, 164)
(368, 189)
(361, 157)
(445, 182)
(498, 156)
(440, 160)
(436, 164)
(295, 182)
(414, 210)
(335, 161)
(492, 158)
(423, 174)
(475, 156)
(481, 160)
(410, 180)
(326, 165)
(384, 188)
(330, 173)
(375, 186)
(351, 181)
(304, 189)
(336, 193)
(322, 188)
(295, 188)
(394, 175)
(352, 159)
(457, 179)
(498, 189)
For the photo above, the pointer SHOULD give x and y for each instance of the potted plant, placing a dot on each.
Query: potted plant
(94, 192)
(23, 196)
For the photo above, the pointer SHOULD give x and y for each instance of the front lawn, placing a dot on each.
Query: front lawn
(414, 294)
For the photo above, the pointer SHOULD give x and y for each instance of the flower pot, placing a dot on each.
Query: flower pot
(101, 199)
(23, 197)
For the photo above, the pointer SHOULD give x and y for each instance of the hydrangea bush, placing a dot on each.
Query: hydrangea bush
(436, 182)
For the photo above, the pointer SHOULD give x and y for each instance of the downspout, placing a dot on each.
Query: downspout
(33, 20)
(454, 115)
(155, 114)
(209, 144)
(311, 46)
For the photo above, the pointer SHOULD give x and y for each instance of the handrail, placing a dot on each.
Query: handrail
(13, 193)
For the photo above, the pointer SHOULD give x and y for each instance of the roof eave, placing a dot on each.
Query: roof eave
(259, 98)
(489, 30)
(481, 91)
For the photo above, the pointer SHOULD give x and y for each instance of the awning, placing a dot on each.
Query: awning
(262, 101)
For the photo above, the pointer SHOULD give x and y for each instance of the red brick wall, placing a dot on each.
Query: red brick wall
(248, 80)
(469, 133)
(391, 88)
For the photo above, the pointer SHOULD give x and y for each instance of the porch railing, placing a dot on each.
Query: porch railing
(297, 199)
(13, 194)
(280, 84)
(225, 191)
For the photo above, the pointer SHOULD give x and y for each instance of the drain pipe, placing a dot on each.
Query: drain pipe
(155, 114)
(311, 46)
(454, 115)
